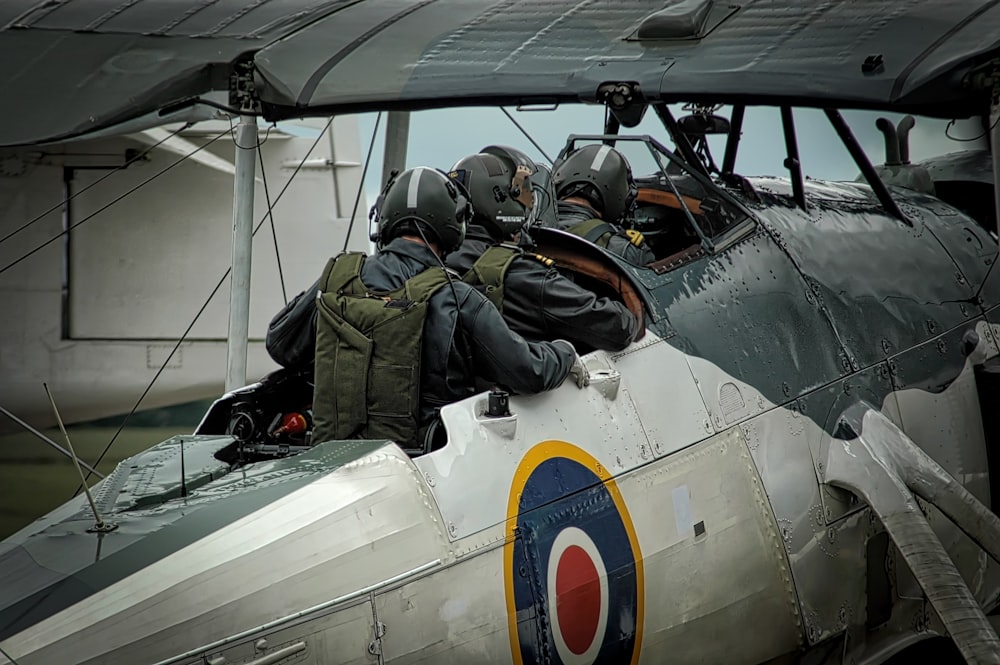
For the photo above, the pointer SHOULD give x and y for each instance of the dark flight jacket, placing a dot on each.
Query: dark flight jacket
(460, 343)
(614, 240)
(540, 303)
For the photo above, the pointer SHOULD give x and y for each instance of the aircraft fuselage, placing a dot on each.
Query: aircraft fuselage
(672, 510)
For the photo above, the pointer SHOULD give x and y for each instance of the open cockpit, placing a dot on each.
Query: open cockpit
(682, 213)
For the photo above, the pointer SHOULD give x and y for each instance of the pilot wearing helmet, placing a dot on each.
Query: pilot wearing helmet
(395, 337)
(535, 300)
(596, 195)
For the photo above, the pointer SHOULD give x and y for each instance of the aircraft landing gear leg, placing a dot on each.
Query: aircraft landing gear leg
(883, 466)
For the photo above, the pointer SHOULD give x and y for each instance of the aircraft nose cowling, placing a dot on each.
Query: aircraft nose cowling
(326, 542)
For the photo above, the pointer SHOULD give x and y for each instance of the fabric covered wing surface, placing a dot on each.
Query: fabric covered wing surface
(76, 67)
(436, 52)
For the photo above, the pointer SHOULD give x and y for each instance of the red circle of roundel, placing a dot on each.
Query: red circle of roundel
(580, 597)
(578, 602)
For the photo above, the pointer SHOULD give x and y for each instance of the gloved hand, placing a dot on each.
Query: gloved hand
(578, 370)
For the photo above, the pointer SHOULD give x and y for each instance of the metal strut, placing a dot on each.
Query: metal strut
(680, 140)
(986, 79)
(884, 467)
(995, 146)
(239, 295)
(733, 140)
(611, 126)
(867, 170)
(792, 162)
(397, 136)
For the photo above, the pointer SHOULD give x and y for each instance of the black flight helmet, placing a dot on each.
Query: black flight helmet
(601, 175)
(424, 202)
(498, 180)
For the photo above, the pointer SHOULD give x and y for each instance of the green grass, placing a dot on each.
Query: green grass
(35, 478)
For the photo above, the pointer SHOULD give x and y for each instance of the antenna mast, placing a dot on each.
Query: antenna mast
(100, 525)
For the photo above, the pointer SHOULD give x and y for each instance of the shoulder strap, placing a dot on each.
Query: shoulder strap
(490, 271)
(491, 267)
(422, 286)
(341, 271)
(591, 229)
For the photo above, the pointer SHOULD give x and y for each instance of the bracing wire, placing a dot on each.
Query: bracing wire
(109, 204)
(156, 376)
(203, 307)
(527, 135)
(115, 170)
(361, 185)
(270, 215)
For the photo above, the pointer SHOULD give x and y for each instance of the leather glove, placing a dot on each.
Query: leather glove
(578, 370)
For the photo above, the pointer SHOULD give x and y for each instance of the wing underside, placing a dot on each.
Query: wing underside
(74, 66)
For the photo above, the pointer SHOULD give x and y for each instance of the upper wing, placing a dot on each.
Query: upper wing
(71, 67)
(909, 54)
(75, 66)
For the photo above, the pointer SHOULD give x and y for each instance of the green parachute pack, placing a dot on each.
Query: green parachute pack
(368, 344)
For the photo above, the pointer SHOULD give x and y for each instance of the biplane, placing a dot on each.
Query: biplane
(796, 462)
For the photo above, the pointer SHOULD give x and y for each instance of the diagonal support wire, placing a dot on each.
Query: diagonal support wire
(109, 204)
(270, 216)
(527, 135)
(361, 185)
(132, 160)
(204, 306)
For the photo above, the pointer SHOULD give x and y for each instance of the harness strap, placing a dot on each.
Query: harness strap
(592, 230)
(490, 271)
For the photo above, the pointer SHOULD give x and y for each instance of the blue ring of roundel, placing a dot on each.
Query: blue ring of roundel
(561, 493)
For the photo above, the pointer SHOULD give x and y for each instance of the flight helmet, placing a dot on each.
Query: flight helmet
(600, 174)
(498, 180)
(425, 202)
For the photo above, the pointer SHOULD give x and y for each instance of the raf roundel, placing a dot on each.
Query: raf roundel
(573, 570)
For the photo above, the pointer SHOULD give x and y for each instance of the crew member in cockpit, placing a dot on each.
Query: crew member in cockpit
(596, 195)
(394, 337)
(535, 300)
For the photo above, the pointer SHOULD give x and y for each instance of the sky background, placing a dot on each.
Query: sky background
(439, 138)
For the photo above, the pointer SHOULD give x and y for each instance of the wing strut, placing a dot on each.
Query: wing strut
(239, 294)
(861, 159)
(995, 146)
(878, 462)
(612, 125)
(733, 140)
(792, 162)
(397, 136)
(680, 139)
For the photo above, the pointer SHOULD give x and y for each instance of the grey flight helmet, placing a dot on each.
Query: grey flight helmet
(426, 203)
(498, 180)
(600, 174)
